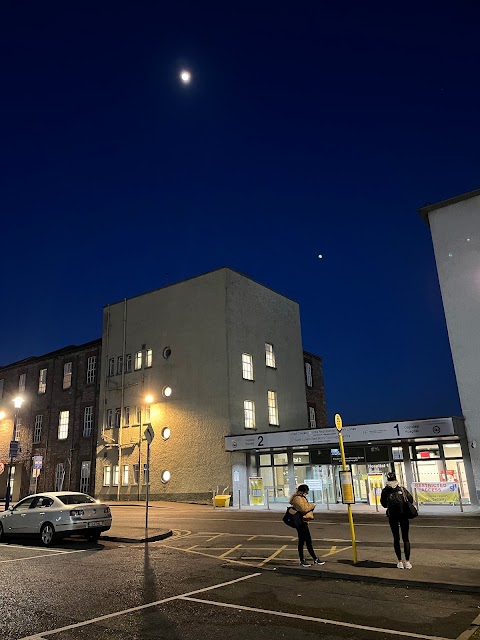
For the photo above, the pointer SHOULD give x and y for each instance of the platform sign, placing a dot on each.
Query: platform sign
(346, 485)
(338, 422)
(256, 490)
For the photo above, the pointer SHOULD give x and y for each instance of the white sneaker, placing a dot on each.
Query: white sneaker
(400, 565)
(407, 565)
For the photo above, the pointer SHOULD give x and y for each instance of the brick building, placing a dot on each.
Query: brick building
(56, 421)
(315, 392)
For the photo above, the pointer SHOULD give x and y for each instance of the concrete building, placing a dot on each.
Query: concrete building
(455, 229)
(219, 355)
(56, 422)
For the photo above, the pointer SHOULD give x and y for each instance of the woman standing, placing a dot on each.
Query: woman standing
(393, 500)
(305, 508)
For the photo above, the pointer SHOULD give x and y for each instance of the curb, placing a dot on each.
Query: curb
(154, 538)
(333, 575)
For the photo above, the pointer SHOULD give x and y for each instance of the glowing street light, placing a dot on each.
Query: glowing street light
(185, 76)
(149, 399)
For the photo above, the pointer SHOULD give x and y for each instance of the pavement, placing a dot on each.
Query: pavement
(445, 542)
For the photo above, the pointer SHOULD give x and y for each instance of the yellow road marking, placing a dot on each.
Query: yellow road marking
(274, 555)
(218, 535)
(334, 550)
(208, 555)
(251, 538)
(229, 551)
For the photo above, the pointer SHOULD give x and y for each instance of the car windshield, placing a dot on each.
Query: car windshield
(76, 498)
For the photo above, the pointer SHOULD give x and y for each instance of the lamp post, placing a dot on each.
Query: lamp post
(18, 401)
(149, 434)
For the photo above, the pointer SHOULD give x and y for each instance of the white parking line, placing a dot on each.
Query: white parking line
(40, 635)
(22, 546)
(43, 555)
(308, 618)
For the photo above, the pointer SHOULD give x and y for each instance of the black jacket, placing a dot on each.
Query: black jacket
(393, 499)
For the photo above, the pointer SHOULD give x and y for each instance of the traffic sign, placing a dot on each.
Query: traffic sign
(338, 421)
(37, 462)
(149, 434)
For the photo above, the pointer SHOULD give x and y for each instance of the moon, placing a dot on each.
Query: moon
(185, 76)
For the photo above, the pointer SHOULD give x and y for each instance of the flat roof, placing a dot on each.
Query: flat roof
(426, 209)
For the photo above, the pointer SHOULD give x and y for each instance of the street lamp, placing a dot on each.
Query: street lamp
(17, 402)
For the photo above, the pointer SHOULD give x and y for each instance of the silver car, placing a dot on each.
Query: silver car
(54, 515)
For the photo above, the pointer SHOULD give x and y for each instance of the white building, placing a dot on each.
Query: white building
(230, 352)
(455, 228)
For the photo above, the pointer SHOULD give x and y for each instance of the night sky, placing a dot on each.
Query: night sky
(307, 129)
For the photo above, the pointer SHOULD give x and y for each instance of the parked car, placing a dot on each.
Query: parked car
(54, 515)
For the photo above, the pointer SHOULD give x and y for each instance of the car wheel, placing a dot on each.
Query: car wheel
(2, 534)
(47, 534)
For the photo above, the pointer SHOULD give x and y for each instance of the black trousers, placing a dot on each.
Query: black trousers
(396, 525)
(304, 537)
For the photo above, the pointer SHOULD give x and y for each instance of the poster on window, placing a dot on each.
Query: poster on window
(436, 491)
(375, 485)
(256, 491)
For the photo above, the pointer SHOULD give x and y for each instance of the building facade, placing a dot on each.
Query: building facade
(55, 425)
(209, 357)
(455, 229)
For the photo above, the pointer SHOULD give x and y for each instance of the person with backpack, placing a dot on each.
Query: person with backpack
(394, 499)
(300, 504)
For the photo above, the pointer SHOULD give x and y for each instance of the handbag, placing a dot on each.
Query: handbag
(292, 519)
(410, 509)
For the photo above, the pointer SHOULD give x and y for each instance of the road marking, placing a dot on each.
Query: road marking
(274, 555)
(472, 632)
(251, 538)
(107, 616)
(22, 546)
(43, 555)
(219, 535)
(334, 550)
(229, 551)
(296, 616)
(209, 555)
(190, 548)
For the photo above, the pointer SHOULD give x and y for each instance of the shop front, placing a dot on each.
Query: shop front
(425, 451)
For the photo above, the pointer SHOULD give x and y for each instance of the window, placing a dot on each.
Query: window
(165, 476)
(115, 475)
(22, 379)
(109, 418)
(63, 426)
(138, 415)
(272, 408)
(126, 417)
(67, 375)
(128, 363)
(249, 411)
(91, 368)
(42, 381)
(37, 430)
(88, 421)
(138, 360)
(247, 366)
(308, 374)
(111, 367)
(145, 474)
(117, 417)
(125, 475)
(269, 355)
(147, 414)
(2, 384)
(107, 476)
(18, 425)
(312, 420)
(136, 469)
(148, 358)
(119, 364)
(85, 477)
(59, 476)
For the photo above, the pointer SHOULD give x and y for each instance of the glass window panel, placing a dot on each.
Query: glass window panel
(427, 451)
(264, 459)
(452, 450)
(280, 458)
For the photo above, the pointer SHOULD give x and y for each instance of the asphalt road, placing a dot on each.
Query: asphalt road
(200, 583)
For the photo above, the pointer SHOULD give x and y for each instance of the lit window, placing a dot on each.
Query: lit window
(165, 476)
(85, 477)
(63, 425)
(269, 355)
(148, 358)
(120, 364)
(37, 431)
(247, 366)
(138, 360)
(111, 367)
(308, 374)
(115, 475)
(147, 414)
(109, 418)
(138, 415)
(167, 391)
(107, 476)
(67, 375)
(126, 417)
(165, 433)
(42, 381)
(59, 476)
(136, 472)
(249, 411)
(91, 368)
(22, 380)
(18, 425)
(125, 475)
(88, 421)
(117, 417)
(312, 418)
(128, 363)
(272, 408)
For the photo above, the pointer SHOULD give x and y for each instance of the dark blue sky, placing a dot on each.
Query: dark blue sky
(307, 130)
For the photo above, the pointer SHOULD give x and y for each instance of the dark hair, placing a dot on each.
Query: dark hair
(391, 476)
(303, 488)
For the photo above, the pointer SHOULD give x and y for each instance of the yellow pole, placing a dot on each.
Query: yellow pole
(349, 506)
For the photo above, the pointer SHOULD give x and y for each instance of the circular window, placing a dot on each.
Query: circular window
(167, 352)
(165, 433)
(167, 391)
(165, 477)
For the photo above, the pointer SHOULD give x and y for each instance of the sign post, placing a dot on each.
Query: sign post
(149, 435)
(37, 465)
(346, 484)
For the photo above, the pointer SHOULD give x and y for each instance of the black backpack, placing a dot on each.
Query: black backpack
(396, 502)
